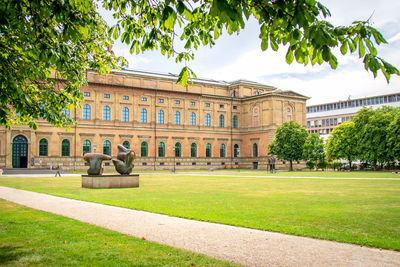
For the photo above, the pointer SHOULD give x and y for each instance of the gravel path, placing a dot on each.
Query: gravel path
(241, 245)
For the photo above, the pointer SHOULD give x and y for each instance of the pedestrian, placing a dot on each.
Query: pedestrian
(51, 165)
(40, 162)
(58, 171)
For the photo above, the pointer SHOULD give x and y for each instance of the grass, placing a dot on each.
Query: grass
(34, 238)
(365, 212)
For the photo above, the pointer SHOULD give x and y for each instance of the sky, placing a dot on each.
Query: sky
(240, 56)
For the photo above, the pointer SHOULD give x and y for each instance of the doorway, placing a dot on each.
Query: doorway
(20, 152)
(255, 165)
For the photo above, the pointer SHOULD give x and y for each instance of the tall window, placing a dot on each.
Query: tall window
(161, 150)
(126, 145)
(86, 147)
(125, 114)
(193, 150)
(177, 118)
(160, 119)
(289, 113)
(208, 150)
(65, 148)
(143, 115)
(178, 149)
(86, 112)
(207, 120)
(222, 151)
(143, 149)
(192, 119)
(107, 147)
(255, 150)
(221, 121)
(43, 147)
(106, 113)
(235, 122)
(236, 151)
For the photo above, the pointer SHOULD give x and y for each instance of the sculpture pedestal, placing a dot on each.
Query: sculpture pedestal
(110, 181)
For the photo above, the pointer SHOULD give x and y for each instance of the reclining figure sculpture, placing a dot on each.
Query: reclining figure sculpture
(123, 163)
(95, 161)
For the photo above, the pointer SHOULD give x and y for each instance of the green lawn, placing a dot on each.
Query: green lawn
(365, 212)
(34, 238)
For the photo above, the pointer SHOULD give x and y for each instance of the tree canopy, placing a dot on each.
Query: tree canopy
(66, 38)
(313, 150)
(289, 141)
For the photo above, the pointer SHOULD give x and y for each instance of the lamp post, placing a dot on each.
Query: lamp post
(238, 155)
(174, 158)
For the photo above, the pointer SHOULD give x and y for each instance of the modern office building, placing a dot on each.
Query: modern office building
(210, 124)
(322, 118)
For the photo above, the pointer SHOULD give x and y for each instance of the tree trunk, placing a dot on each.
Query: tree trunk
(374, 164)
(349, 164)
(291, 165)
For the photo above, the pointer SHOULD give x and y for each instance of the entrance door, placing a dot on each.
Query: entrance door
(255, 165)
(20, 152)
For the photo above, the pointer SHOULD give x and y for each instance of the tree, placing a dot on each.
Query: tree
(342, 143)
(393, 133)
(66, 38)
(313, 149)
(289, 141)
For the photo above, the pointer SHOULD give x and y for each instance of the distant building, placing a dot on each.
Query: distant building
(211, 124)
(322, 118)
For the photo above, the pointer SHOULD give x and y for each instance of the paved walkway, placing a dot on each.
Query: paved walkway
(241, 245)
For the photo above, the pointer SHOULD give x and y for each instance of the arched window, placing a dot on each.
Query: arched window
(222, 151)
(107, 147)
(192, 119)
(43, 147)
(125, 114)
(221, 121)
(143, 149)
(143, 115)
(161, 150)
(126, 145)
(65, 148)
(106, 113)
(207, 120)
(193, 150)
(255, 150)
(235, 122)
(177, 118)
(160, 119)
(178, 149)
(86, 112)
(208, 150)
(236, 151)
(289, 113)
(86, 147)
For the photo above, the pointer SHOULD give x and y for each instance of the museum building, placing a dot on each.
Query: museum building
(209, 124)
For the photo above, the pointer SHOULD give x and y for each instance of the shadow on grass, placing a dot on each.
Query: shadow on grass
(10, 253)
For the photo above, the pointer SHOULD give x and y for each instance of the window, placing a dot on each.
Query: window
(143, 149)
(255, 150)
(126, 145)
(193, 150)
(192, 119)
(221, 121)
(221, 106)
(161, 150)
(160, 100)
(207, 120)
(106, 113)
(177, 118)
(86, 147)
(208, 150)
(143, 115)
(192, 103)
(222, 151)
(106, 95)
(177, 102)
(235, 122)
(160, 118)
(86, 94)
(234, 107)
(107, 147)
(65, 148)
(144, 99)
(86, 112)
(125, 114)
(43, 147)
(67, 112)
(178, 150)
(236, 151)
(125, 97)
(207, 105)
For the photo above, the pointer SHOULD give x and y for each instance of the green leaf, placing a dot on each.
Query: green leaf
(289, 56)
(264, 44)
(344, 47)
(361, 48)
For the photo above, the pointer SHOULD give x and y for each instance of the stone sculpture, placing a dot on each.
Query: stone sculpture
(123, 163)
(95, 161)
